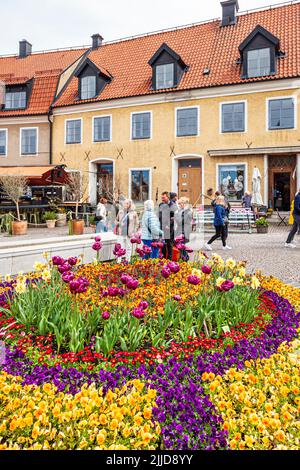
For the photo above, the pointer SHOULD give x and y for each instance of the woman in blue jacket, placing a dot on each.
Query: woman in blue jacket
(151, 231)
(220, 224)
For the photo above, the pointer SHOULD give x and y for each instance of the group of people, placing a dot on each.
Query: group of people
(172, 218)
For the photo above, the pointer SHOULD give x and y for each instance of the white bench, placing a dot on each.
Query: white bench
(239, 219)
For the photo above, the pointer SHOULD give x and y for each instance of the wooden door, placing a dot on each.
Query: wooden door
(190, 183)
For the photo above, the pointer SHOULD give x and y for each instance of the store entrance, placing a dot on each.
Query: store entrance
(281, 196)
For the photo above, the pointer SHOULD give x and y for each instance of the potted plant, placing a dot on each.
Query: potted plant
(262, 225)
(50, 219)
(92, 221)
(15, 187)
(77, 186)
(61, 217)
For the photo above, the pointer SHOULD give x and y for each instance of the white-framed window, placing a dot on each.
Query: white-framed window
(281, 113)
(102, 128)
(73, 131)
(259, 62)
(3, 142)
(232, 180)
(233, 116)
(29, 141)
(88, 87)
(15, 100)
(164, 76)
(141, 125)
(139, 184)
(187, 121)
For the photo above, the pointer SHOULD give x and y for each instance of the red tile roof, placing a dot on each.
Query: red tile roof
(200, 46)
(45, 69)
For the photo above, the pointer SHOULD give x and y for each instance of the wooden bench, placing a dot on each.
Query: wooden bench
(240, 220)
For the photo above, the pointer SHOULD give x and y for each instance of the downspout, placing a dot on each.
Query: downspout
(50, 119)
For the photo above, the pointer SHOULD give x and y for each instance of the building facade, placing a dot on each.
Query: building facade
(188, 110)
(31, 82)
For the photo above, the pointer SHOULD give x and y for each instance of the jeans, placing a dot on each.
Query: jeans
(168, 249)
(220, 233)
(101, 227)
(295, 227)
(155, 251)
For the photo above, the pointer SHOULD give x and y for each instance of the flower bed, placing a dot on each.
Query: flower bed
(188, 370)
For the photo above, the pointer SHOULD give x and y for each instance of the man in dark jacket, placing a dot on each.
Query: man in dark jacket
(166, 219)
(296, 224)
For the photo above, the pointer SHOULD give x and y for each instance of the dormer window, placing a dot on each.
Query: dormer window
(167, 68)
(259, 53)
(259, 62)
(91, 80)
(88, 87)
(164, 76)
(15, 100)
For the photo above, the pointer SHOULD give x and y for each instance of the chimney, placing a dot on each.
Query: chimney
(24, 48)
(229, 11)
(97, 41)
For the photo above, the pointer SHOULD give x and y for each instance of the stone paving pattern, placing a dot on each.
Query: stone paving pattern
(261, 251)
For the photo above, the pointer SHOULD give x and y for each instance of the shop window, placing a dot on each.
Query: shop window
(232, 181)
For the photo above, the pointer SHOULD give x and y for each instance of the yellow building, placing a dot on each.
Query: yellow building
(187, 110)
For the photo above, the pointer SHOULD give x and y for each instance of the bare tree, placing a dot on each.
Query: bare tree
(77, 188)
(14, 187)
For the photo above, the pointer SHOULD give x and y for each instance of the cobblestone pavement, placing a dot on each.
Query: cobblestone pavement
(265, 252)
(261, 251)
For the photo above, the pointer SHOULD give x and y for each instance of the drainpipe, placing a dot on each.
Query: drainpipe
(50, 119)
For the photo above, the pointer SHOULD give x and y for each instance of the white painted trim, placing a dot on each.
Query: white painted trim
(150, 180)
(81, 131)
(7, 121)
(37, 142)
(284, 97)
(110, 128)
(246, 117)
(151, 124)
(233, 164)
(187, 156)
(266, 180)
(198, 122)
(93, 176)
(6, 142)
(185, 95)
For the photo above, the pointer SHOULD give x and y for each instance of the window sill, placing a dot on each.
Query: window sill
(188, 135)
(72, 143)
(101, 141)
(28, 154)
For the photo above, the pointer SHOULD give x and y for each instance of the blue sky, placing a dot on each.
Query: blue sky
(50, 24)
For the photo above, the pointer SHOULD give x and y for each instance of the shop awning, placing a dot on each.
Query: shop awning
(37, 175)
(254, 151)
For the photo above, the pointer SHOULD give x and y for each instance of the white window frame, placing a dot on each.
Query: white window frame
(81, 129)
(273, 98)
(21, 107)
(88, 76)
(6, 142)
(270, 57)
(165, 87)
(150, 180)
(198, 122)
(232, 164)
(93, 128)
(246, 117)
(37, 142)
(151, 125)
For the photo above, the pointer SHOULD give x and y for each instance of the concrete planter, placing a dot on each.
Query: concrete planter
(77, 227)
(61, 220)
(50, 223)
(19, 227)
(262, 229)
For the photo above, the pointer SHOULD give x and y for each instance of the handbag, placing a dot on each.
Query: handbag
(98, 218)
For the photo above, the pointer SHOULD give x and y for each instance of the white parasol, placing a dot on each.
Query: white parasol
(256, 195)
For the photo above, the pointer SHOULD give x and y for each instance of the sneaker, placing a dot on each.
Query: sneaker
(227, 247)
(207, 247)
(290, 245)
